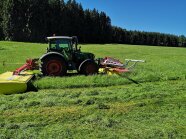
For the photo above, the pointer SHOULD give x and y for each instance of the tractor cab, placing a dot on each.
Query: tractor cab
(62, 43)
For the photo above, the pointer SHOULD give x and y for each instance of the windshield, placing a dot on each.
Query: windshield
(60, 44)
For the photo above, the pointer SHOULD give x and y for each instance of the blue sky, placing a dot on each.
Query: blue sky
(166, 16)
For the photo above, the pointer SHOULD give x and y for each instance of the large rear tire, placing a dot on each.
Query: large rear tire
(89, 68)
(53, 66)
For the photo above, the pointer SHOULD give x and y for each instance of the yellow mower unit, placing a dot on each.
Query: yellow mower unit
(17, 81)
(12, 84)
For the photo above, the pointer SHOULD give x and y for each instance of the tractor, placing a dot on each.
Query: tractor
(63, 54)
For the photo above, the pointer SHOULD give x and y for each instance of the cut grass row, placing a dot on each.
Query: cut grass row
(131, 111)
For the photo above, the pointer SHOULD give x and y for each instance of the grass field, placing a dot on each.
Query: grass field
(99, 106)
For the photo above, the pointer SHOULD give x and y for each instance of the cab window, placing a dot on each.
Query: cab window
(60, 44)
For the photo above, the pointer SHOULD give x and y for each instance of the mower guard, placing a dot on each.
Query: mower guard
(12, 84)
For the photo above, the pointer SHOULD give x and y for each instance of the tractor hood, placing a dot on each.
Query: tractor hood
(81, 56)
(89, 55)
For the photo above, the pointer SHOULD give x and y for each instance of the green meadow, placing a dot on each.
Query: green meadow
(99, 106)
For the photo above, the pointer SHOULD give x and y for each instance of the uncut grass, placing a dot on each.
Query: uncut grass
(100, 80)
(162, 63)
(148, 111)
(15, 54)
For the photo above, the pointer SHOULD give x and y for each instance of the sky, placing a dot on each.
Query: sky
(165, 16)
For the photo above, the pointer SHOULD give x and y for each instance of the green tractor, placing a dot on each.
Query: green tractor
(63, 54)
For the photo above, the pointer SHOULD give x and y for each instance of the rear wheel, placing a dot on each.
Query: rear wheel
(89, 68)
(53, 66)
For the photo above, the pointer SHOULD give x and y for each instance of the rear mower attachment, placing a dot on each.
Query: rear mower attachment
(111, 66)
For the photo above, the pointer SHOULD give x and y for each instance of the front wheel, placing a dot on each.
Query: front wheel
(89, 68)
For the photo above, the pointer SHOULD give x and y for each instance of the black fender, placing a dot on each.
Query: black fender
(82, 63)
(52, 54)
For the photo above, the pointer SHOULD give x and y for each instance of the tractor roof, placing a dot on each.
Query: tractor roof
(59, 37)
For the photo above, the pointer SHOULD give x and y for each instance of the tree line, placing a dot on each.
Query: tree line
(33, 20)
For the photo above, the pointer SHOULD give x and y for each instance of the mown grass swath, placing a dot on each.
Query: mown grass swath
(130, 111)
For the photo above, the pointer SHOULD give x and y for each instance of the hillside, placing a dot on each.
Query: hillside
(99, 106)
